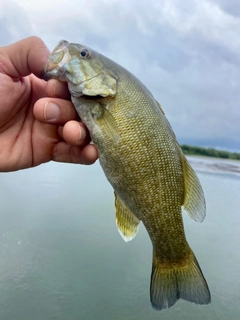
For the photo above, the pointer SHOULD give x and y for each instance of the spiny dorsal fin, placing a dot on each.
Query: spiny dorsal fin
(194, 201)
(160, 107)
(127, 223)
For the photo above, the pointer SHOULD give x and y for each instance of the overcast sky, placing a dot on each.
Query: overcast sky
(186, 52)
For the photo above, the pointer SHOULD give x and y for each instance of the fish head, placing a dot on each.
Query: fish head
(82, 68)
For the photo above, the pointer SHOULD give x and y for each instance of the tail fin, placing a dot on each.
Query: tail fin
(178, 282)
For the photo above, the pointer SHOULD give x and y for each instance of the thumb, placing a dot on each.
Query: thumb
(24, 57)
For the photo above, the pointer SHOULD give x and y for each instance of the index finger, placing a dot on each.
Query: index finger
(24, 57)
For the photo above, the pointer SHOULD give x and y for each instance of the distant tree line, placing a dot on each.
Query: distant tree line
(209, 152)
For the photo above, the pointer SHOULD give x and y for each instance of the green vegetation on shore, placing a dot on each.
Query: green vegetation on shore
(209, 152)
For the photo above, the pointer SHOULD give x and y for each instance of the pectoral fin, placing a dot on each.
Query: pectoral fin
(127, 223)
(194, 201)
(108, 124)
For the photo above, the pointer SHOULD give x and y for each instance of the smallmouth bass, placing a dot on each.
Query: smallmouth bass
(142, 160)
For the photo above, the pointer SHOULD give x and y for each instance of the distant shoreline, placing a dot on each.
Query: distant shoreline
(209, 152)
(214, 165)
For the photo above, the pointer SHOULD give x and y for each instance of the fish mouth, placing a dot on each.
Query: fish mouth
(56, 60)
(85, 76)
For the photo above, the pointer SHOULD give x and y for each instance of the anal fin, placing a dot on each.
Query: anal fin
(127, 222)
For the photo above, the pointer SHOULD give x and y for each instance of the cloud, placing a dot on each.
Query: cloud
(231, 7)
(14, 22)
(186, 53)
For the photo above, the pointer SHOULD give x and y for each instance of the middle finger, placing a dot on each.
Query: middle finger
(54, 111)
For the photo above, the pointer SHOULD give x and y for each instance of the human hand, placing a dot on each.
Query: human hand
(32, 129)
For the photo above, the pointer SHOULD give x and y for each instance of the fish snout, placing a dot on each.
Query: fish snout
(54, 66)
(62, 45)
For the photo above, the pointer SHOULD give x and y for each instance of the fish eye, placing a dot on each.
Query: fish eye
(85, 53)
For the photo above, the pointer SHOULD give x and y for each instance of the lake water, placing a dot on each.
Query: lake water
(61, 256)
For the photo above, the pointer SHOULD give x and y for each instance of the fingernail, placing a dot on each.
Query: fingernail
(51, 111)
(82, 133)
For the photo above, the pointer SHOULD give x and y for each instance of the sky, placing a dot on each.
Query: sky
(187, 53)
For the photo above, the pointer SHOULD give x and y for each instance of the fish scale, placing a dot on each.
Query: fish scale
(142, 160)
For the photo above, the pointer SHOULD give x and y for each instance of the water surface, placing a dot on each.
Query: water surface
(61, 256)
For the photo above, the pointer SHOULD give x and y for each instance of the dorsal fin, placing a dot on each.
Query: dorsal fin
(194, 200)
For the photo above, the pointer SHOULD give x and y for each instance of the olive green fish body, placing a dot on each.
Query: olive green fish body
(142, 160)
